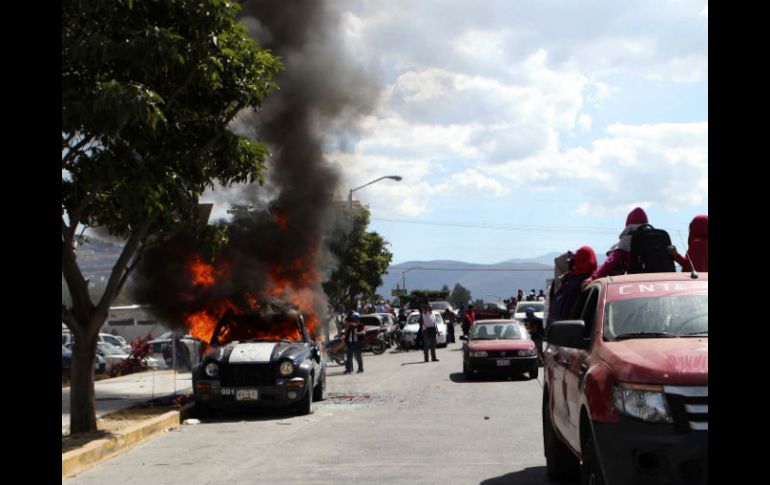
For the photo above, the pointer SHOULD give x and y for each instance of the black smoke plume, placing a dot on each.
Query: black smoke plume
(320, 96)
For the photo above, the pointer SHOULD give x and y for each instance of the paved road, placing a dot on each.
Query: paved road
(402, 421)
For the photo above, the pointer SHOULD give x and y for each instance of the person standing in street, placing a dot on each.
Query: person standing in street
(449, 319)
(429, 332)
(468, 318)
(354, 341)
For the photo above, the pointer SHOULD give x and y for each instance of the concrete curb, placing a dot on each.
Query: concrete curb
(76, 461)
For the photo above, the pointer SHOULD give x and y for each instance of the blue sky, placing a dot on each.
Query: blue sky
(550, 118)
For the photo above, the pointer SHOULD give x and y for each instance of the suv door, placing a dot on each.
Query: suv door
(575, 370)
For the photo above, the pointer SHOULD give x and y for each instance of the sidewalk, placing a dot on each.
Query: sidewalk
(126, 391)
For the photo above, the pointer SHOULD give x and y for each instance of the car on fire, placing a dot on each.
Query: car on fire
(413, 326)
(260, 359)
(499, 347)
(625, 393)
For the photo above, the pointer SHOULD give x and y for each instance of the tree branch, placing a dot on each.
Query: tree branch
(121, 266)
(218, 136)
(75, 150)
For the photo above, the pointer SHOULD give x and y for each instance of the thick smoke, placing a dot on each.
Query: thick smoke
(320, 96)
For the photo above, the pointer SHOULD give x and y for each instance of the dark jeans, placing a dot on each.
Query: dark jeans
(429, 342)
(356, 349)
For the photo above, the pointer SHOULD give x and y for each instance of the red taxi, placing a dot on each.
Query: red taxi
(625, 393)
(499, 347)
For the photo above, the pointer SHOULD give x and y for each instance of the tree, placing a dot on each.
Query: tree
(460, 295)
(421, 297)
(363, 259)
(148, 91)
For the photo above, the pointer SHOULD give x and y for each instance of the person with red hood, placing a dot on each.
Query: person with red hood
(582, 265)
(619, 255)
(698, 246)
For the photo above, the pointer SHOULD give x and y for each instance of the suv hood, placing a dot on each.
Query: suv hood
(256, 352)
(663, 361)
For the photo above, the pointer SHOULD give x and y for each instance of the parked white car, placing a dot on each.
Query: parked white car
(521, 308)
(67, 339)
(413, 326)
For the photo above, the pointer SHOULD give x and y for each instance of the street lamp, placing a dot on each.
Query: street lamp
(397, 178)
(405, 272)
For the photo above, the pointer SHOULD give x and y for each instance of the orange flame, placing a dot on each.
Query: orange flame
(203, 272)
(280, 218)
(294, 283)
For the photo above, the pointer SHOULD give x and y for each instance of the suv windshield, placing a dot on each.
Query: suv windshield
(672, 315)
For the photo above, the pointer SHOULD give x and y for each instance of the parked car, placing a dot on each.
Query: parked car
(113, 356)
(67, 338)
(100, 366)
(248, 364)
(413, 326)
(625, 394)
(188, 351)
(499, 347)
(520, 313)
(442, 305)
(492, 311)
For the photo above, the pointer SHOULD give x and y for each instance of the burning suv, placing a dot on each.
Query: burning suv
(626, 382)
(260, 359)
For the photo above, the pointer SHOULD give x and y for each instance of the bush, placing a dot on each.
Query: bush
(136, 360)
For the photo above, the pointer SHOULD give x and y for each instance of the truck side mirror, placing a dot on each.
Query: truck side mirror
(567, 333)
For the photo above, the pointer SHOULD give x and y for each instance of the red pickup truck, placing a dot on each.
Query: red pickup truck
(625, 394)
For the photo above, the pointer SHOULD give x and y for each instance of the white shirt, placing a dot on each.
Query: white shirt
(428, 320)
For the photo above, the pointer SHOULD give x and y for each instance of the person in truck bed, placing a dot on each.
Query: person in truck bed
(698, 247)
(619, 255)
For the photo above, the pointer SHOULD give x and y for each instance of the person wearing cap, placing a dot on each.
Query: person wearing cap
(619, 255)
(354, 341)
(532, 295)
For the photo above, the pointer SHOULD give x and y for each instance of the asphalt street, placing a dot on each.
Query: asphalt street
(402, 421)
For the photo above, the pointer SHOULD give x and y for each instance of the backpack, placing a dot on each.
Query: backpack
(648, 251)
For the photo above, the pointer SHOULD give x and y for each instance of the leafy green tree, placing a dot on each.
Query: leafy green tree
(459, 295)
(148, 91)
(363, 259)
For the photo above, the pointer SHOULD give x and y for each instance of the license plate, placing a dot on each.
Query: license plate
(246, 395)
(504, 362)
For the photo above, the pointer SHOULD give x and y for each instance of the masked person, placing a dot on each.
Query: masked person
(619, 255)
(697, 254)
(581, 266)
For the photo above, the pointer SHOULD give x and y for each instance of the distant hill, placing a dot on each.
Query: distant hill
(500, 279)
(486, 281)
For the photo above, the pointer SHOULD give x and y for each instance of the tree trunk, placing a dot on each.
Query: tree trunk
(82, 396)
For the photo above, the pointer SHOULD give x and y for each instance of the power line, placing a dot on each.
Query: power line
(507, 227)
